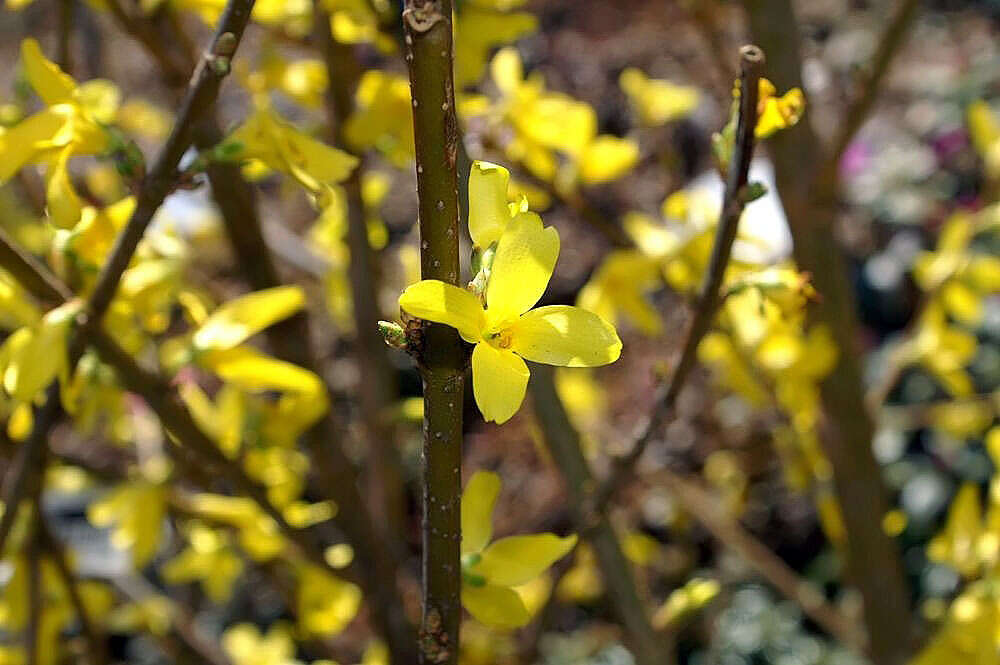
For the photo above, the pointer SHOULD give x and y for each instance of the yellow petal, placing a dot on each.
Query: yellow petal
(506, 70)
(520, 559)
(478, 499)
(495, 606)
(525, 258)
(437, 301)
(607, 158)
(243, 317)
(51, 83)
(499, 381)
(64, 205)
(488, 211)
(22, 143)
(657, 101)
(254, 371)
(101, 98)
(566, 336)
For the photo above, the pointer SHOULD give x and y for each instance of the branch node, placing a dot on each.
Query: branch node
(423, 17)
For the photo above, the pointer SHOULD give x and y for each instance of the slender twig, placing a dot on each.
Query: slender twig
(871, 86)
(162, 177)
(57, 553)
(733, 203)
(64, 32)
(709, 513)
(428, 30)
(36, 599)
(26, 469)
(183, 626)
(563, 442)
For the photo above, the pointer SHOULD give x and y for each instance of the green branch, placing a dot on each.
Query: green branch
(442, 358)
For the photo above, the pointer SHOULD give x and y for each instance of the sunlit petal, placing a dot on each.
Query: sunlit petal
(488, 211)
(499, 381)
(522, 267)
(440, 302)
(566, 336)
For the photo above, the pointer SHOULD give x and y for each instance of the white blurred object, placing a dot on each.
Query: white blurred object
(764, 220)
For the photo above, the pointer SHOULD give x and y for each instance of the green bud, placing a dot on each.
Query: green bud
(753, 191)
(393, 334)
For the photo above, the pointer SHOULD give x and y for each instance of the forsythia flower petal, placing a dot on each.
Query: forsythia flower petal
(519, 559)
(499, 382)
(565, 336)
(51, 83)
(478, 500)
(488, 211)
(525, 258)
(497, 606)
(243, 317)
(437, 301)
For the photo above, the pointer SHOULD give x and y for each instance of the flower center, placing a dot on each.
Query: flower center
(500, 339)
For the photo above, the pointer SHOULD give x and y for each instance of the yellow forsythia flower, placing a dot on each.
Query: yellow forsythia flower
(267, 138)
(492, 572)
(655, 100)
(70, 125)
(505, 332)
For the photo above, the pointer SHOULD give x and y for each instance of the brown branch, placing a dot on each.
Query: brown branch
(871, 86)
(429, 55)
(377, 388)
(26, 471)
(36, 598)
(183, 626)
(64, 32)
(810, 193)
(733, 203)
(162, 177)
(55, 549)
(563, 443)
(709, 513)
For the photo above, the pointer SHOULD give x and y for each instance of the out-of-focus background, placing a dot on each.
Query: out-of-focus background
(916, 183)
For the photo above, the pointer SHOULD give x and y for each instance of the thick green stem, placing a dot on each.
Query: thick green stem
(442, 358)
(807, 182)
(563, 442)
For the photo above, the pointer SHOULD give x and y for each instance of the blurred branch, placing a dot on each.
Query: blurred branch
(806, 180)
(712, 516)
(442, 360)
(563, 442)
(55, 549)
(36, 598)
(26, 471)
(377, 387)
(64, 33)
(871, 85)
(733, 203)
(183, 626)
